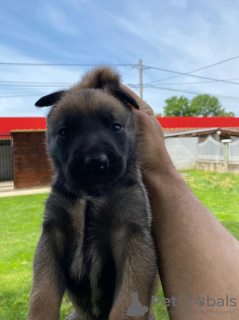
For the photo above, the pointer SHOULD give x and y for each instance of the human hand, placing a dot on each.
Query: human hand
(154, 158)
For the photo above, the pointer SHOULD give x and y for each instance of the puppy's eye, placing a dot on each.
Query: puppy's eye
(116, 127)
(63, 133)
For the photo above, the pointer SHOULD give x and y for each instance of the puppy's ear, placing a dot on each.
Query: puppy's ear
(107, 79)
(125, 97)
(50, 99)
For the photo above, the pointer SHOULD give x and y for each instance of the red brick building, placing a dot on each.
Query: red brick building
(169, 124)
(29, 165)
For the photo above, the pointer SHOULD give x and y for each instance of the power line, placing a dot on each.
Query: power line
(34, 85)
(203, 68)
(55, 84)
(49, 84)
(16, 95)
(33, 82)
(197, 82)
(30, 94)
(63, 64)
(193, 93)
(137, 86)
(19, 96)
(190, 75)
(6, 83)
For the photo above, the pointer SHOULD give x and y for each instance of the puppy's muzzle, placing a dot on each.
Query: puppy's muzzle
(96, 163)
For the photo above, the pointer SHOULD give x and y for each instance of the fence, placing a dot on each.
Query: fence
(6, 161)
(218, 156)
(211, 150)
(234, 151)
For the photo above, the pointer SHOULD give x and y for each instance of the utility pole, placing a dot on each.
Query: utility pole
(141, 79)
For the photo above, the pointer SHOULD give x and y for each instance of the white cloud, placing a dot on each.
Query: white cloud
(57, 19)
(24, 106)
(177, 35)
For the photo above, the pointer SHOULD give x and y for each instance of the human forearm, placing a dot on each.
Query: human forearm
(197, 256)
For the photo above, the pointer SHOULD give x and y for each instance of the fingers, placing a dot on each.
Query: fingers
(143, 106)
(154, 157)
(145, 114)
(148, 121)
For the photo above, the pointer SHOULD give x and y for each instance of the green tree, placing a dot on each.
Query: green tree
(201, 105)
(177, 107)
(208, 106)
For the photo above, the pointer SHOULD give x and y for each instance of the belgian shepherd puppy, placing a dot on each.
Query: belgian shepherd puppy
(96, 241)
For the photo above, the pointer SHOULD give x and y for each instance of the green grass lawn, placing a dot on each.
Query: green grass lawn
(220, 194)
(20, 225)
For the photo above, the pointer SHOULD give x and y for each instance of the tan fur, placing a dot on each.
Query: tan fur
(105, 76)
(42, 308)
(85, 101)
(126, 207)
(43, 286)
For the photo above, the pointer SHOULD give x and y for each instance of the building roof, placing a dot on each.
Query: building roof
(8, 124)
(198, 122)
(196, 133)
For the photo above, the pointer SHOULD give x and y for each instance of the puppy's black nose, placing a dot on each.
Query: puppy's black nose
(96, 163)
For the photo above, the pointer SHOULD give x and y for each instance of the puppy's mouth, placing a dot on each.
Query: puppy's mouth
(92, 174)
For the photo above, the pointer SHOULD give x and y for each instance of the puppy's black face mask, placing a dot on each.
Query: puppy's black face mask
(91, 150)
(91, 146)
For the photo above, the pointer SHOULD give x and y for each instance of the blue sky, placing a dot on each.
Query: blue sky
(178, 35)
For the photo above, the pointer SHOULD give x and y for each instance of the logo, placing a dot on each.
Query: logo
(136, 309)
(200, 301)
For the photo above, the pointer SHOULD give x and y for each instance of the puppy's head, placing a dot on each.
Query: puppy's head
(91, 130)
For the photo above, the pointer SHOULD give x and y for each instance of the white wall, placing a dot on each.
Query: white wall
(183, 152)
